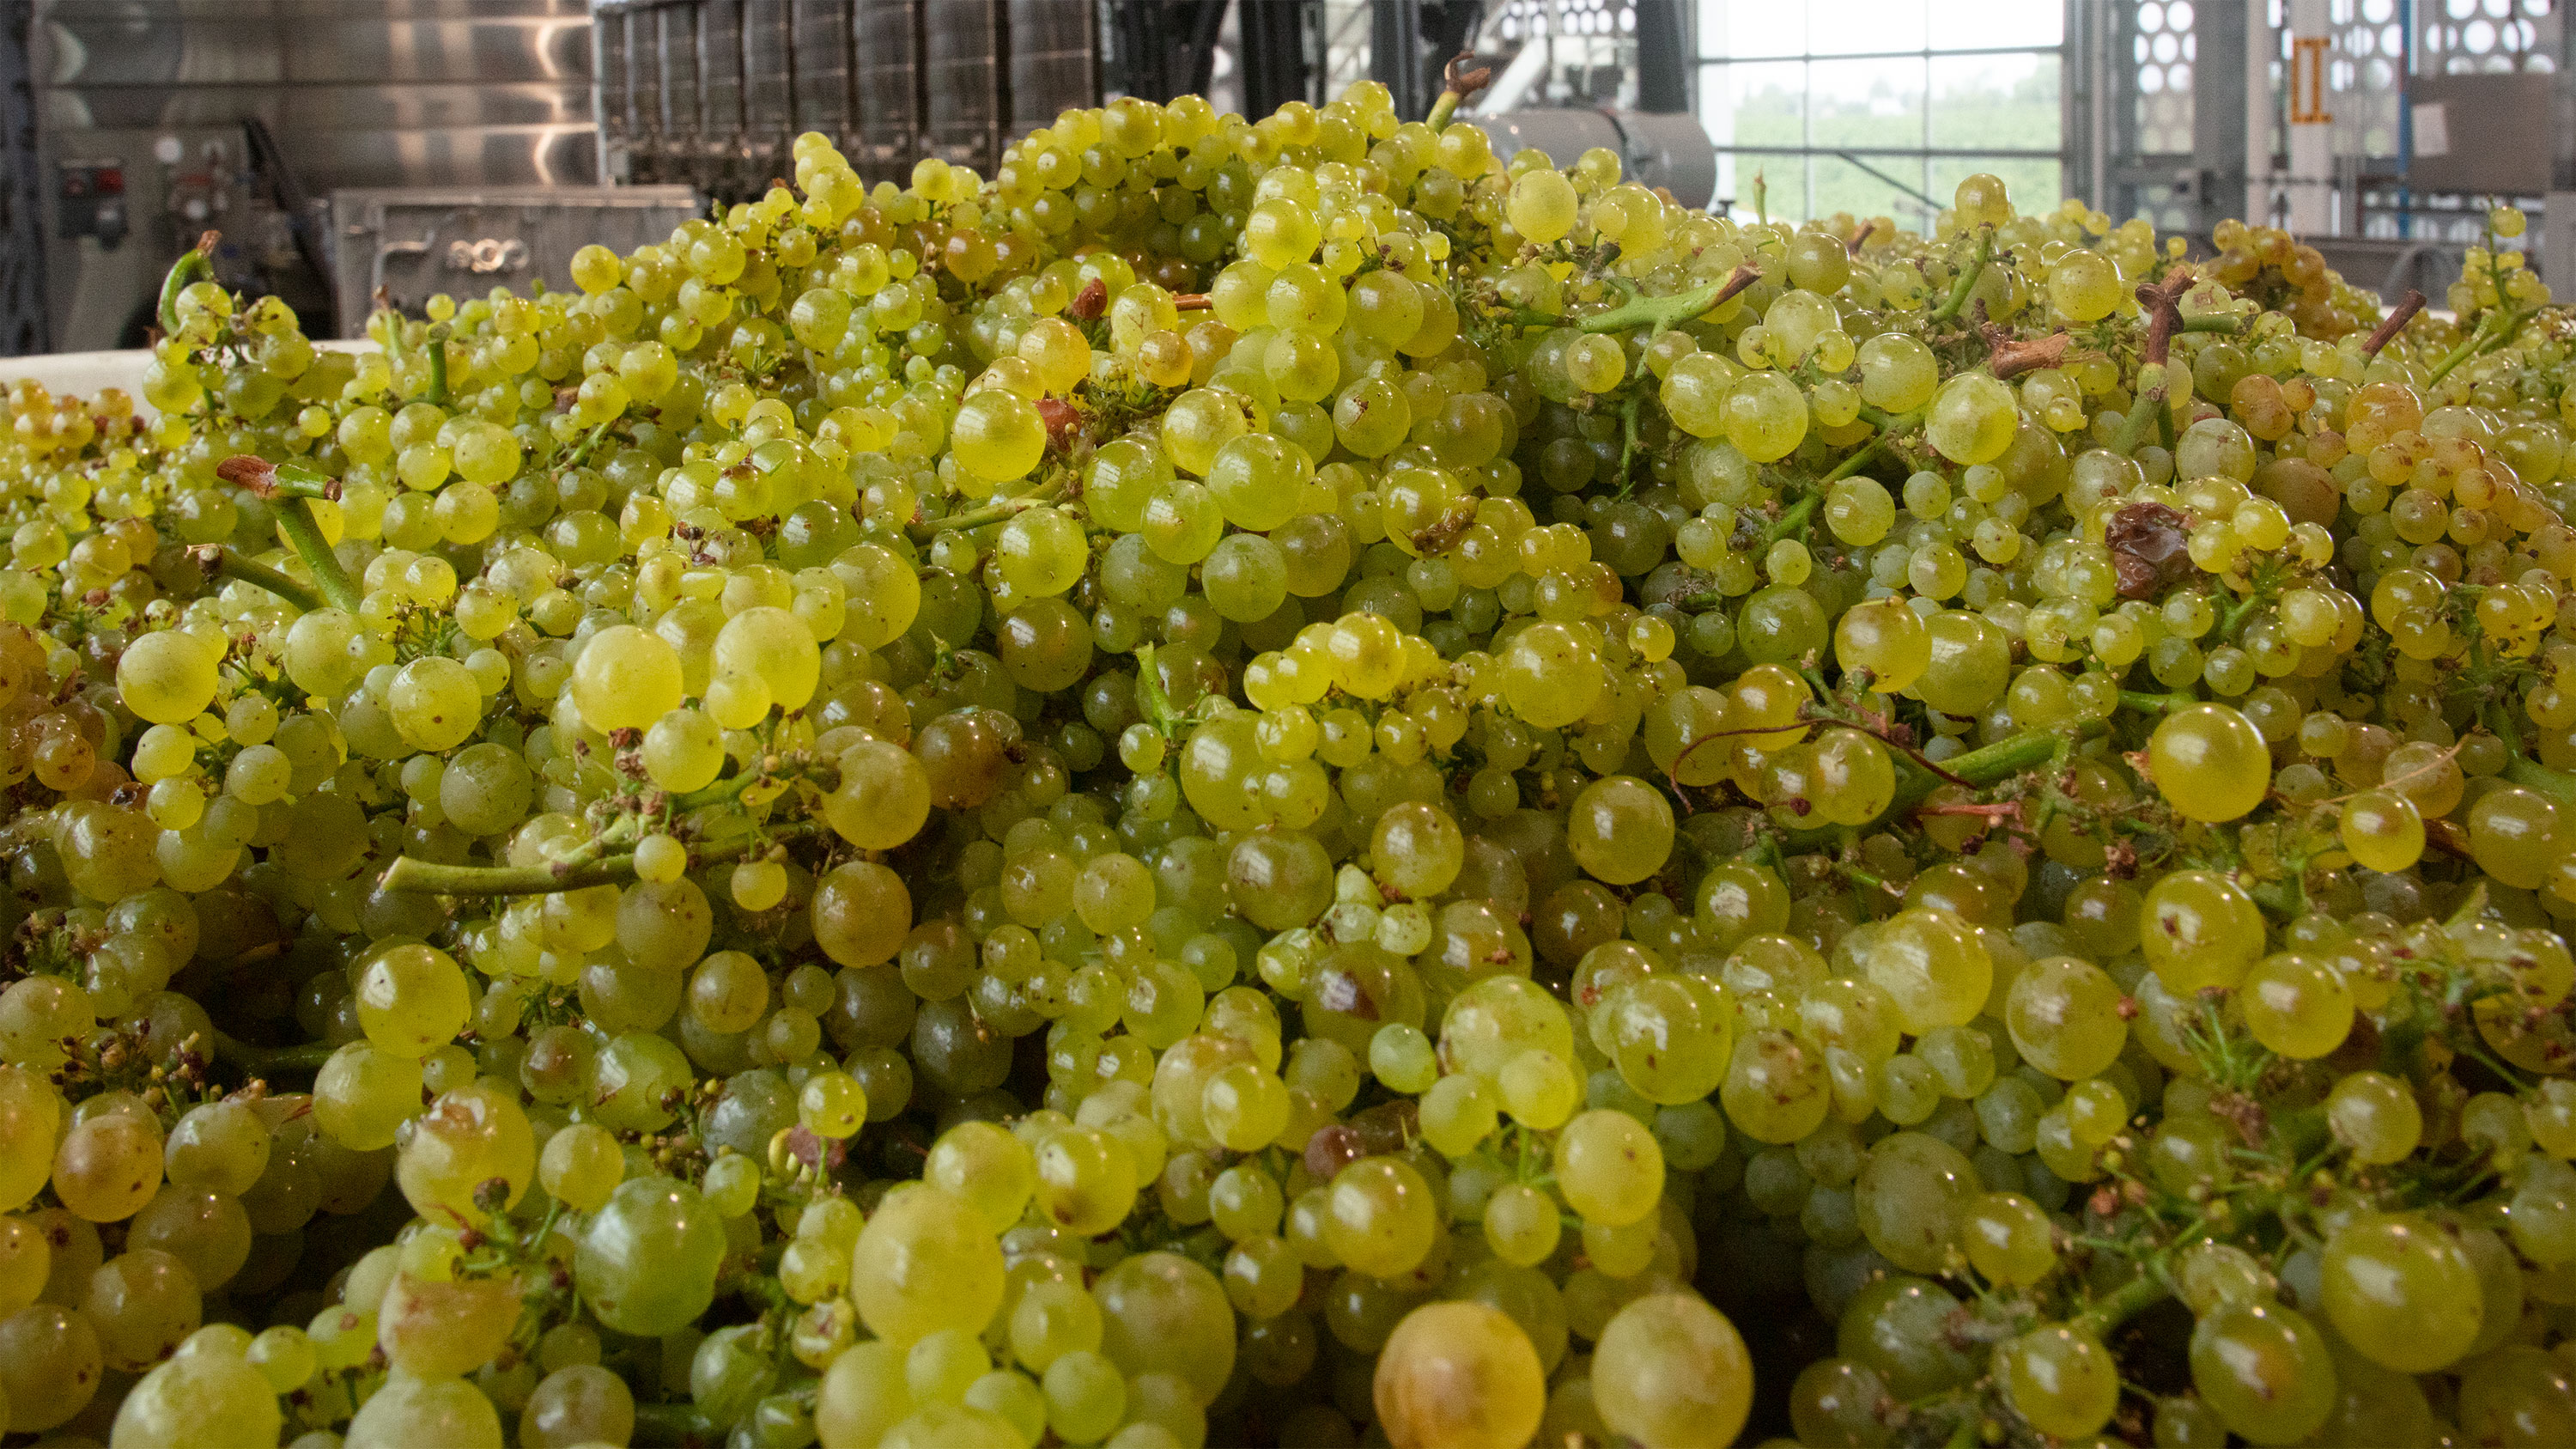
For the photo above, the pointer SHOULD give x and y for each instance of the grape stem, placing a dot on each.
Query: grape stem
(1988, 765)
(295, 520)
(437, 394)
(997, 512)
(589, 444)
(2132, 1298)
(2531, 774)
(1664, 313)
(1957, 301)
(422, 877)
(2220, 322)
(260, 1060)
(2008, 357)
(197, 264)
(1794, 520)
(220, 562)
(1888, 427)
(2394, 323)
(1459, 85)
(2155, 703)
(672, 1424)
(2484, 339)
(271, 481)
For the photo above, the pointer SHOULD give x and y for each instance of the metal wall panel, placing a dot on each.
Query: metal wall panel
(720, 115)
(889, 85)
(824, 30)
(675, 39)
(963, 78)
(407, 92)
(1055, 60)
(769, 67)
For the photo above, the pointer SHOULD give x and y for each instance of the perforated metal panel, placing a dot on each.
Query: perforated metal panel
(2162, 46)
(768, 86)
(962, 81)
(889, 87)
(823, 33)
(1055, 60)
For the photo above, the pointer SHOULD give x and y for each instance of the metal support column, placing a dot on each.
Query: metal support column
(1663, 57)
(23, 329)
(2220, 114)
(1395, 55)
(1277, 36)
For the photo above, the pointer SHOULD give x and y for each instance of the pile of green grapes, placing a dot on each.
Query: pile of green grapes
(1286, 782)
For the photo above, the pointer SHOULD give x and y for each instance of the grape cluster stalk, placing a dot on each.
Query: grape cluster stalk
(1286, 782)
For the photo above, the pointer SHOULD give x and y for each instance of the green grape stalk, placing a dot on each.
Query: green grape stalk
(1287, 782)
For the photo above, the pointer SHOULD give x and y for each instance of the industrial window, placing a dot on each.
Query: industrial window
(1879, 107)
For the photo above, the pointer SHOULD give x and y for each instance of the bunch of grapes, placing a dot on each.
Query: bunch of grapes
(1287, 782)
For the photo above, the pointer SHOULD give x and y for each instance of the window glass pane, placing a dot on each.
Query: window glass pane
(1865, 187)
(1756, 105)
(1998, 22)
(2035, 183)
(1752, 27)
(1840, 27)
(1996, 100)
(1869, 104)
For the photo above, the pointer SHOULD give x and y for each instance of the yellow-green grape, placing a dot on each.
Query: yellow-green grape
(1620, 830)
(1776, 1088)
(1379, 1217)
(2210, 762)
(200, 1398)
(2065, 1017)
(1911, 1198)
(2199, 929)
(412, 1000)
(1932, 967)
(1539, 1089)
(2403, 1292)
(2514, 836)
(1609, 1167)
(1897, 373)
(1887, 639)
(776, 647)
(2086, 287)
(1971, 419)
(2007, 1238)
(1542, 206)
(364, 1094)
(1669, 1369)
(2264, 1369)
(2297, 1006)
(1551, 675)
(626, 678)
(166, 677)
(2061, 1379)
(108, 1166)
(581, 1165)
(1522, 1224)
(998, 436)
(926, 1262)
(2383, 830)
(1765, 416)
(467, 1139)
(595, 269)
(833, 1106)
(1087, 1180)
(1459, 1374)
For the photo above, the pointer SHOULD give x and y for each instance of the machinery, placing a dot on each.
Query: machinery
(160, 119)
(409, 242)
